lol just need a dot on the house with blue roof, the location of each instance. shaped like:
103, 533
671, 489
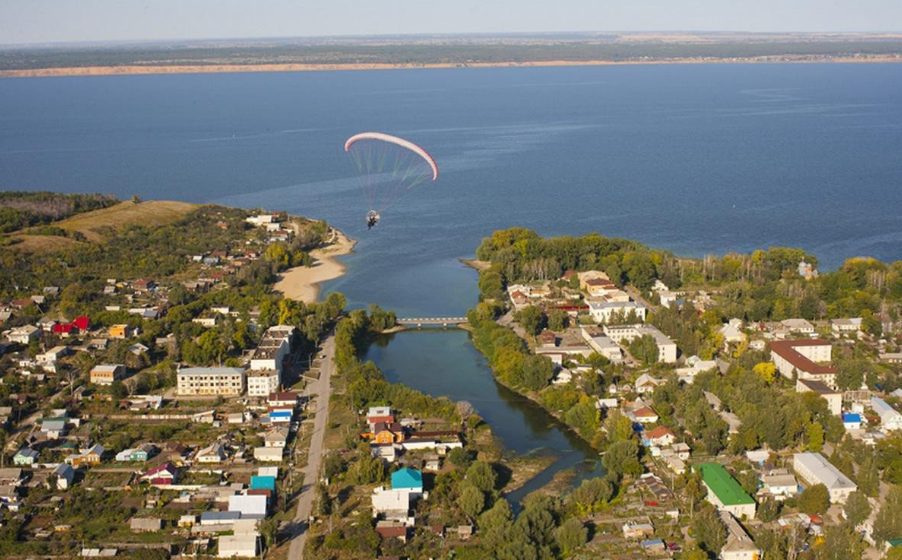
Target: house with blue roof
407, 479
263, 483
851, 421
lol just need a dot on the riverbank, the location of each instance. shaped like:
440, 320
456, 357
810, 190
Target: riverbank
133, 70
302, 283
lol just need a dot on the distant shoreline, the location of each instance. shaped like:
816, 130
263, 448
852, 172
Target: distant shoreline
244, 68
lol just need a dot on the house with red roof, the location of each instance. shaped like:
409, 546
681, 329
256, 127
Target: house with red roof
644, 415
163, 475
661, 436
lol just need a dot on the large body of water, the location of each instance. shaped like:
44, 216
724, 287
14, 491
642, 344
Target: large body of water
692, 158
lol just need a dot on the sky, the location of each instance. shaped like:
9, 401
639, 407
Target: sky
54, 21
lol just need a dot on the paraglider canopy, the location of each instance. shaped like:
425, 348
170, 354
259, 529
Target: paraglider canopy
388, 167
398, 141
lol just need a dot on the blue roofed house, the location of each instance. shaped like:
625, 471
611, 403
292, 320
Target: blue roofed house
263, 483
851, 421
407, 479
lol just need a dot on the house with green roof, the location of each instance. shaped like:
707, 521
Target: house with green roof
407, 479
724, 492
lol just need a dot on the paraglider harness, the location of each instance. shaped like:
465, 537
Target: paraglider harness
372, 218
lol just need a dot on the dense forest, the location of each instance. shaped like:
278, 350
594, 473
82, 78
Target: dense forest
20, 209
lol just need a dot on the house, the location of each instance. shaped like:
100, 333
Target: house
646, 384
241, 546
724, 492
11, 477
220, 381
407, 479
638, 530
391, 504
64, 475
833, 398
263, 483
105, 374
815, 469
392, 529
24, 335
162, 475
89, 456
274, 346
644, 415
283, 399
122, 331
653, 546
251, 506
661, 436
213, 453
779, 484
732, 334
682, 450
851, 421
277, 437
739, 545
800, 326
673, 460
802, 358
53, 429
841, 327
52, 355
281, 416
890, 419
145, 524
695, 366
384, 433
138, 454
270, 454
26, 457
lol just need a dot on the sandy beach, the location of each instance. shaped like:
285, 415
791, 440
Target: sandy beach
127, 70
303, 282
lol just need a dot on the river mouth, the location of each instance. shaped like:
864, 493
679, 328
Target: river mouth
444, 363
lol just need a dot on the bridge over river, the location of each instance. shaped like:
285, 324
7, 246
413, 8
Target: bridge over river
420, 322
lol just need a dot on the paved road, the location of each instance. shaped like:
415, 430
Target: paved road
322, 389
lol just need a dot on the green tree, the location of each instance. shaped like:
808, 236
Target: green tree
583, 417
557, 320
495, 526
709, 530
459, 457
888, 523
592, 494
623, 458
536, 372
857, 508
268, 528
472, 500
118, 390
815, 499
571, 535
531, 319
814, 433
618, 426
841, 542
482, 476
768, 510
644, 349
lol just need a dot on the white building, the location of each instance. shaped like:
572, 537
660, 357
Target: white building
739, 545
269, 454
222, 381
251, 506
274, 346
606, 311
803, 358
602, 344
815, 469
833, 398
842, 327
238, 546
260, 383
800, 326
890, 419
23, 335
780, 485
624, 334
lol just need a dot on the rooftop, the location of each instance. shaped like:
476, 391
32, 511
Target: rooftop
723, 485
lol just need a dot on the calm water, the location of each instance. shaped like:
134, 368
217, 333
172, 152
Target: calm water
693, 158
444, 363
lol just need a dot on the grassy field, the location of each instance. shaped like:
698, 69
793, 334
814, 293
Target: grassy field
151, 213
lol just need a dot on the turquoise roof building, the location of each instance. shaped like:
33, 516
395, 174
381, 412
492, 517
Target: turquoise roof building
407, 479
263, 483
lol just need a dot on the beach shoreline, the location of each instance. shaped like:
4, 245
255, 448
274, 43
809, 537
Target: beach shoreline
132, 70
303, 283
